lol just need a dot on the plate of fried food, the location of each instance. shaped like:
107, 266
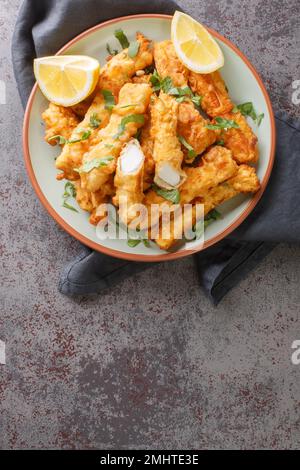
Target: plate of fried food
149, 115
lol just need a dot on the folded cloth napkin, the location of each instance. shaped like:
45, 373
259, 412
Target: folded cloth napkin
41, 29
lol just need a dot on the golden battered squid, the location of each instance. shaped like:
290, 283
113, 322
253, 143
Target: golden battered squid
168, 65
211, 87
59, 121
127, 117
129, 181
242, 141
167, 152
116, 73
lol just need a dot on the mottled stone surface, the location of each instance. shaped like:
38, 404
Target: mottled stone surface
152, 364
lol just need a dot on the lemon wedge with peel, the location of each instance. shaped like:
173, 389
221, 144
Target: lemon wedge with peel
194, 45
66, 80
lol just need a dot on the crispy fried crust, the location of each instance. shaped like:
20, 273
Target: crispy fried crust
59, 121
137, 95
212, 88
245, 181
242, 142
192, 126
168, 65
167, 147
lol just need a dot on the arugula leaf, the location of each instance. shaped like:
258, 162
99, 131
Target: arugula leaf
247, 109
133, 49
69, 191
59, 139
222, 123
109, 99
95, 121
111, 51
172, 195
122, 38
138, 118
191, 151
95, 163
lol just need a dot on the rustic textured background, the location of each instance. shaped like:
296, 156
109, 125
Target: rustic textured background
151, 364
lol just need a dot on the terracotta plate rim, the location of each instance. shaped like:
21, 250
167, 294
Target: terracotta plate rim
132, 256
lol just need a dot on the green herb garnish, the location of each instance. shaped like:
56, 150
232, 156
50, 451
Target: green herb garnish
201, 225
222, 123
111, 51
138, 118
191, 151
221, 143
122, 38
70, 191
133, 49
61, 140
109, 99
133, 243
95, 163
172, 195
158, 83
247, 109
95, 121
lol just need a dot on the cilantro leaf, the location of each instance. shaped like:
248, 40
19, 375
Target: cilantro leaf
111, 51
191, 151
138, 118
133, 49
95, 163
172, 195
222, 123
122, 38
95, 121
109, 99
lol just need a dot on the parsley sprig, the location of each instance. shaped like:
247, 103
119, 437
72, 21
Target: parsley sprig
222, 123
167, 86
201, 225
172, 195
109, 99
95, 121
95, 163
69, 191
62, 140
191, 151
138, 118
247, 109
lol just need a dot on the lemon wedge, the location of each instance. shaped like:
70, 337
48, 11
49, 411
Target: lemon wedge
66, 80
194, 45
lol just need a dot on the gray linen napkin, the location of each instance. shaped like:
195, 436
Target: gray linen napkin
41, 29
